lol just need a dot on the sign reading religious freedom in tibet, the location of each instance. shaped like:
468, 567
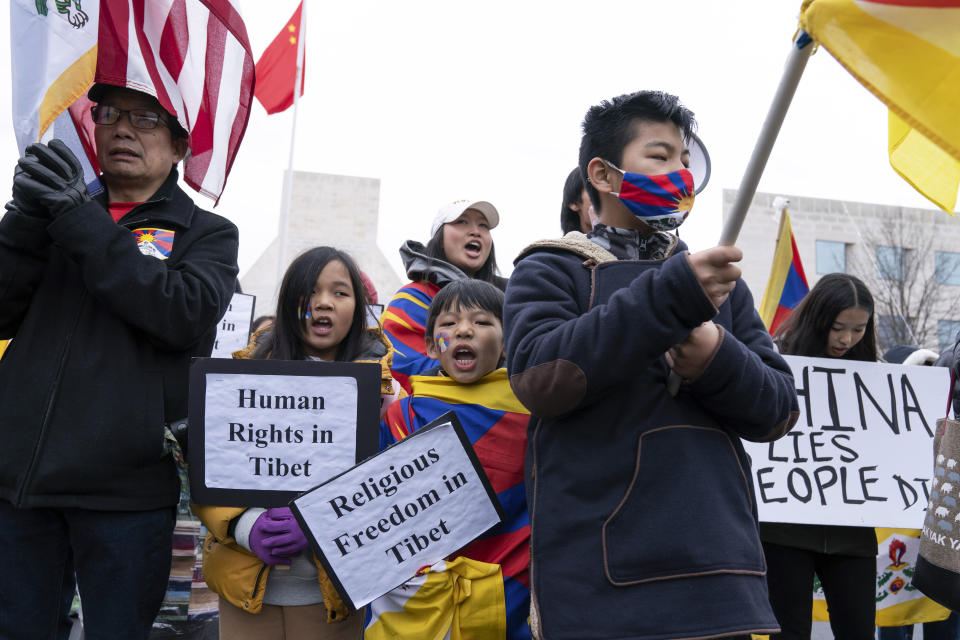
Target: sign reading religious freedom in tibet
861, 451
409, 506
263, 431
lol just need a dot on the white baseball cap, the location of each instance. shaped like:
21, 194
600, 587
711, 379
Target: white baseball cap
452, 211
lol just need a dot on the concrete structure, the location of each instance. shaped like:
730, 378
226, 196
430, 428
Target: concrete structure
339, 211
867, 240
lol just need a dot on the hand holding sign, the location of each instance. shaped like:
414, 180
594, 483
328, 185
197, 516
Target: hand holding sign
276, 537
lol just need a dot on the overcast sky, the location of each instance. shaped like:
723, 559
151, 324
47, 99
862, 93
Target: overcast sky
444, 100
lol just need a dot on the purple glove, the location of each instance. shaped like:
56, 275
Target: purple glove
276, 537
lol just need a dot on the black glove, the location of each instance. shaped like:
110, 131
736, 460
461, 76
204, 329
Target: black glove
52, 177
24, 202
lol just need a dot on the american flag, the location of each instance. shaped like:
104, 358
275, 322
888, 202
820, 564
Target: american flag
194, 56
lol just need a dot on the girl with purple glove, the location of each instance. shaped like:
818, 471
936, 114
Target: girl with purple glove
320, 316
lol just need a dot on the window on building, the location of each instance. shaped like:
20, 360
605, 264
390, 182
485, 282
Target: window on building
892, 331
831, 257
947, 333
890, 263
948, 267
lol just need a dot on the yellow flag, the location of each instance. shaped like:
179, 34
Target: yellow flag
909, 57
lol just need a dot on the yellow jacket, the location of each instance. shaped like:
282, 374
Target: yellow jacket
237, 574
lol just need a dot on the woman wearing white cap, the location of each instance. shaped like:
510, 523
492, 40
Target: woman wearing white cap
460, 247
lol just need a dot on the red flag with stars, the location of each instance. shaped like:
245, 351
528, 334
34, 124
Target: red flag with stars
276, 70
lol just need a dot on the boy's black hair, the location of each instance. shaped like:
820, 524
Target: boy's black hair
284, 340
806, 330
488, 272
611, 125
470, 294
570, 219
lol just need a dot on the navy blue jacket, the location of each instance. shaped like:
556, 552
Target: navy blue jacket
641, 503
102, 341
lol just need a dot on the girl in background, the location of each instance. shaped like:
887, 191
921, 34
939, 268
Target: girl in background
460, 248
321, 312
576, 212
834, 320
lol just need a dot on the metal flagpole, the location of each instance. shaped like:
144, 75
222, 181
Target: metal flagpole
288, 177
796, 63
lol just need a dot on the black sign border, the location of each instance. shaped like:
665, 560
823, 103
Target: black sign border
367, 375
450, 417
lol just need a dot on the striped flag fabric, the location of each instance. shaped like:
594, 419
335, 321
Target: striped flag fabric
195, 57
907, 53
495, 422
788, 283
404, 322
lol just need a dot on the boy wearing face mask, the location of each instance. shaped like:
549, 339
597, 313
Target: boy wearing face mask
643, 365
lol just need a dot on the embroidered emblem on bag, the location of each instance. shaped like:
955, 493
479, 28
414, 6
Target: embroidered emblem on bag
154, 242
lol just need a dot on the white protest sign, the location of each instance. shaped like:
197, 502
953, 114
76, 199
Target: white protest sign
407, 507
262, 431
860, 453
374, 311
233, 330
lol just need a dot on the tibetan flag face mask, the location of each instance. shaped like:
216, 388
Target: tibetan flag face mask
661, 201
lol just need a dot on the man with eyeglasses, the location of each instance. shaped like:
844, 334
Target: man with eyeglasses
106, 300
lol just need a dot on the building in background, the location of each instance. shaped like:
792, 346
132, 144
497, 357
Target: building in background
909, 258
325, 209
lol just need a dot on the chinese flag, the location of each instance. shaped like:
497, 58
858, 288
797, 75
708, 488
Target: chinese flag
276, 70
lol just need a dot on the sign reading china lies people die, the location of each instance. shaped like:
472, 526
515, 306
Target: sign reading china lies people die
262, 431
861, 452
413, 504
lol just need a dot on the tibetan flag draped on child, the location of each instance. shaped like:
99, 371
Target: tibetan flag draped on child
496, 424
277, 68
787, 284
907, 53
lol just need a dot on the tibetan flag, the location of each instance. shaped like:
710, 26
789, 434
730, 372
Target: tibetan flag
277, 68
787, 284
404, 322
907, 53
456, 600
496, 424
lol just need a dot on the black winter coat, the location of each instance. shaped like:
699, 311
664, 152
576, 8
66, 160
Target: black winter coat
102, 340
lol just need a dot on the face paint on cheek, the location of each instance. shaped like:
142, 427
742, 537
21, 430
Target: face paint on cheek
303, 310
443, 341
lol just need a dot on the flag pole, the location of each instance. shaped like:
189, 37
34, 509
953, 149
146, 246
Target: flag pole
288, 177
802, 47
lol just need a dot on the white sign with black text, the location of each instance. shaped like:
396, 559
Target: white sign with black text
233, 330
861, 451
407, 507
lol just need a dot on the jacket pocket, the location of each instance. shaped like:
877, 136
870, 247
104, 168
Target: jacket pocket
688, 511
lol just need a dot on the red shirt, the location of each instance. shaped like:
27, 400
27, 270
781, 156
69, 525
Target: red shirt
120, 209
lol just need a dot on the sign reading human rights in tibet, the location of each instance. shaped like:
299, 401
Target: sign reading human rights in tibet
408, 507
263, 431
860, 453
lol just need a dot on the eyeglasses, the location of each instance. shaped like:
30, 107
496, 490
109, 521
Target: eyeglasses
139, 118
